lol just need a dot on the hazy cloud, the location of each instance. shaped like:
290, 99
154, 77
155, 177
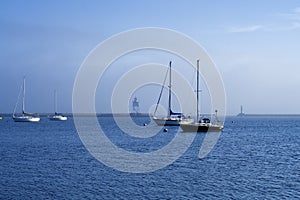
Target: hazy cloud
292, 23
297, 10
292, 15
245, 29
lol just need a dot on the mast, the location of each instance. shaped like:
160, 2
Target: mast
197, 90
23, 98
55, 102
170, 92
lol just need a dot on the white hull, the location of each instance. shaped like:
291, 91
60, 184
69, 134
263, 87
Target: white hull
173, 121
201, 127
58, 118
26, 119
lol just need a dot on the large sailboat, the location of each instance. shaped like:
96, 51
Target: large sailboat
203, 125
57, 116
24, 116
172, 119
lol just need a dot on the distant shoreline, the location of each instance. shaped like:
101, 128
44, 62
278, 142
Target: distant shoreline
268, 115
87, 114
148, 115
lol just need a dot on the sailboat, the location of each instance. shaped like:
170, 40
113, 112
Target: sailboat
57, 116
172, 119
24, 117
203, 125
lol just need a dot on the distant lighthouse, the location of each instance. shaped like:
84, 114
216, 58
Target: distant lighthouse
135, 105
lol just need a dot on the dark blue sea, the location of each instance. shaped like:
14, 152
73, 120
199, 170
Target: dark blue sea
254, 158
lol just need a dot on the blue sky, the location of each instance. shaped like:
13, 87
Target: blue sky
255, 45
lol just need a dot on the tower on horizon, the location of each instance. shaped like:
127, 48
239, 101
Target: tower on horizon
241, 113
135, 105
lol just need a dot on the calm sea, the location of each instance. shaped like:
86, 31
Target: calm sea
255, 158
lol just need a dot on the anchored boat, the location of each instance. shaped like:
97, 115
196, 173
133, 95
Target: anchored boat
24, 116
57, 116
203, 125
172, 119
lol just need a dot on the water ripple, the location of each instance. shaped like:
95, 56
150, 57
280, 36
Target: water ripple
253, 159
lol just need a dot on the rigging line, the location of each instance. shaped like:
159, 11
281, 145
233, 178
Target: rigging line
21, 88
161, 91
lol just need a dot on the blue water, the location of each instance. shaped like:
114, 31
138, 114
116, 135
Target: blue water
255, 158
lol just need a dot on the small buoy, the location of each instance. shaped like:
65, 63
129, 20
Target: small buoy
145, 124
165, 130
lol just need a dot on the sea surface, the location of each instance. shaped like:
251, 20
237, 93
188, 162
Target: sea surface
254, 158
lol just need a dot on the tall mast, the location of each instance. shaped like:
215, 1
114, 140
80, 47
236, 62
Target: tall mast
23, 98
55, 101
170, 92
197, 91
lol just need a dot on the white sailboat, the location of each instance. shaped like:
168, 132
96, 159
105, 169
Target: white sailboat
172, 119
24, 116
203, 125
57, 116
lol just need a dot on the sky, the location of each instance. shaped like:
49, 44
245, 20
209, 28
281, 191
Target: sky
254, 44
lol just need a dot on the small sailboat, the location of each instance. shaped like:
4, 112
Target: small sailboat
57, 116
203, 125
172, 119
24, 116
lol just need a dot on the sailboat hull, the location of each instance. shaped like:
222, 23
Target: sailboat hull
26, 119
201, 127
172, 121
58, 118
